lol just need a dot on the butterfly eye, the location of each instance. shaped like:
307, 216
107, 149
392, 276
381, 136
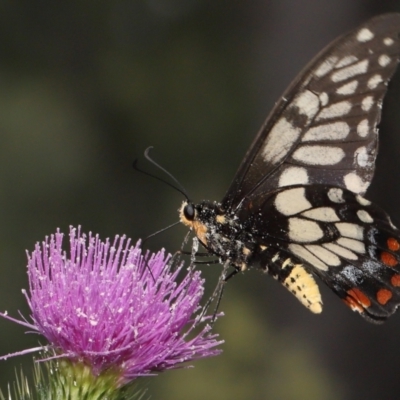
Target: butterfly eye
189, 212
219, 210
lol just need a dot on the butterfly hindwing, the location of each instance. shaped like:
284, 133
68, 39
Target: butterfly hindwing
337, 235
324, 128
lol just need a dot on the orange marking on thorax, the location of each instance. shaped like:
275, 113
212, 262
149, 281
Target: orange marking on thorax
200, 229
221, 219
383, 296
393, 244
395, 280
359, 296
388, 259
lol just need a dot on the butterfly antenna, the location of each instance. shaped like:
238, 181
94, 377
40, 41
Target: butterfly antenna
161, 230
178, 185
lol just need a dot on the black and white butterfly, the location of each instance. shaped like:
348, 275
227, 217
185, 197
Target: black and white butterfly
295, 207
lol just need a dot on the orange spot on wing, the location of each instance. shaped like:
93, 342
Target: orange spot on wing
383, 296
388, 259
393, 244
360, 297
349, 301
395, 280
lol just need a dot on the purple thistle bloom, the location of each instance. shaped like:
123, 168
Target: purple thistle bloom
112, 308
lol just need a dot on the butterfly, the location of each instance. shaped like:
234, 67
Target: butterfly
295, 208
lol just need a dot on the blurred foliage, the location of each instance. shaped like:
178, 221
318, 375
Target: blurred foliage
258, 362
86, 86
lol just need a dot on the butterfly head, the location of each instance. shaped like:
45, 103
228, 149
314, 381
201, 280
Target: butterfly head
205, 219
187, 213
189, 216
204, 213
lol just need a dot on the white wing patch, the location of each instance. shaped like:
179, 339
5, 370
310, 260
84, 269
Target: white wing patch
324, 98
304, 254
326, 66
384, 60
367, 103
324, 255
352, 244
304, 231
362, 157
365, 35
363, 128
347, 88
319, 155
325, 214
334, 131
346, 60
374, 81
350, 71
350, 230
292, 201
336, 195
354, 183
280, 141
307, 103
362, 201
293, 176
341, 251
388, 41
335, 110
364, 216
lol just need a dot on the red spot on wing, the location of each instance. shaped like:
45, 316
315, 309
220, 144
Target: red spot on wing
383, 296
393, 244
349, 301
360, 297
388, 259
395, 280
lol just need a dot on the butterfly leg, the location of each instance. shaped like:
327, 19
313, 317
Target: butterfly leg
218, 291
194, 253
214, 261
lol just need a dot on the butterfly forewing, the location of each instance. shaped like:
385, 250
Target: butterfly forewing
324, 128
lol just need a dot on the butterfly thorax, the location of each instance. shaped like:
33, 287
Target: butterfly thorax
222, 234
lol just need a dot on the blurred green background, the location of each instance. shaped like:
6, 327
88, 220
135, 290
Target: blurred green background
86, 86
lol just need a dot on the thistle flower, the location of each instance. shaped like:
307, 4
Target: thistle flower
110, 310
